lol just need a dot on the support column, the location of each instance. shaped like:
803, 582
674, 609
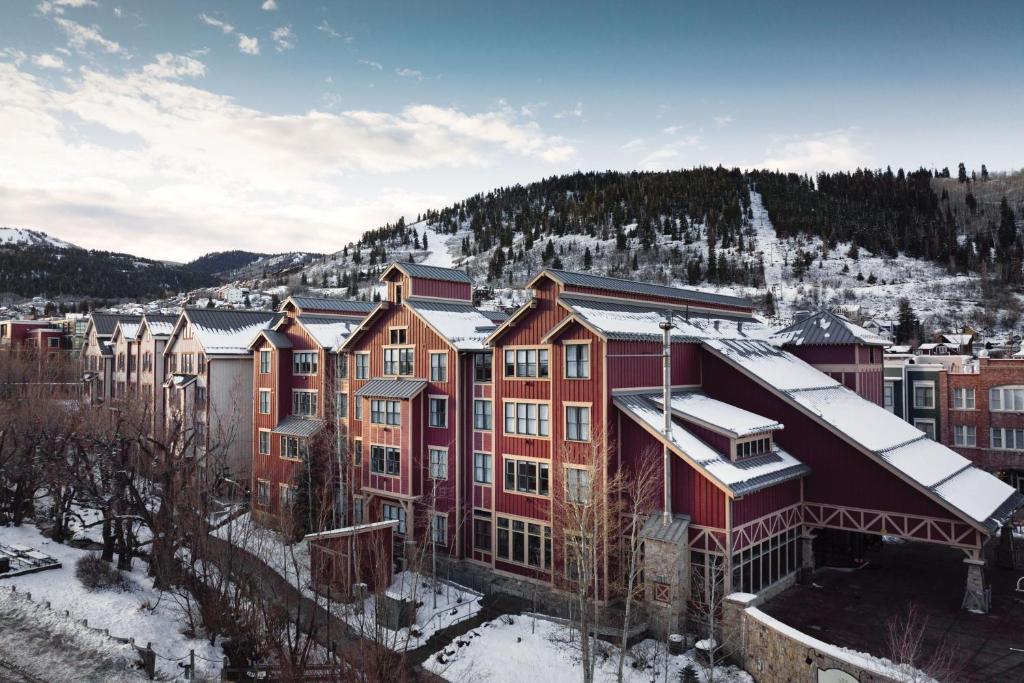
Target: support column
666, 567
976, 592
806, 555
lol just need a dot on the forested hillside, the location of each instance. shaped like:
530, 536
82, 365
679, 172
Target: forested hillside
222, 261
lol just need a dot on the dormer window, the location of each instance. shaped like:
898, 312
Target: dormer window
751, 447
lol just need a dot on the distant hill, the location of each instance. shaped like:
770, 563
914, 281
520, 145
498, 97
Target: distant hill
223, 261
22, 236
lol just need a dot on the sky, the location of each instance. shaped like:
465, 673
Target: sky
172, 129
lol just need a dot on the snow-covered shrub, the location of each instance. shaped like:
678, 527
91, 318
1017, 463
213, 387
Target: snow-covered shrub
97, 574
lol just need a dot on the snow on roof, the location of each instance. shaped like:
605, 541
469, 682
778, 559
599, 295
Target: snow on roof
461, 324
228, 332
718, 415
106, 322
980, 497
958, 339
620, 286
899, 349
328, 331
161, 325
825, 328
740, 477
429, 272
129, 329
928, 346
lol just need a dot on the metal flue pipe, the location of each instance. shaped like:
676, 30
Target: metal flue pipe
666, 364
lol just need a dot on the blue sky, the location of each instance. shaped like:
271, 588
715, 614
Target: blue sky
170, 129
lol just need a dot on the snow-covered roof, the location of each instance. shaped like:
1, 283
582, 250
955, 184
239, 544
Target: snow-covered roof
620, 286
129, 330
228, 332
428, 272
739, 477
106, 322
958, 339
464, 326
160, 325
825, 328
941, 472
902, 348
328, 331
718, 415
317, 304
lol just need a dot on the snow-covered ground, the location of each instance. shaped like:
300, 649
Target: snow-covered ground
143, 613
439, 253
516, 648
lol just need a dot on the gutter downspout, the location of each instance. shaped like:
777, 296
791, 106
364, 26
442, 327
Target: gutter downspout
666, 357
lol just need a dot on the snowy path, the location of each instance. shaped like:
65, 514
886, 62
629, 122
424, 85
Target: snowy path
767, 241
440, 254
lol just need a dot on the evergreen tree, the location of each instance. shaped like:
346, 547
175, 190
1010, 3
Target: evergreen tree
907, 324
961, 173
588, 260
275, 302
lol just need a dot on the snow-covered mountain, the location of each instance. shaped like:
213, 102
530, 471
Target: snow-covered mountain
24, 236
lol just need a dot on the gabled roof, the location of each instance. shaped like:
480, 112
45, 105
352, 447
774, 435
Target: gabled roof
392, 388
330, 332
227, 332
180, 381
943, 475
126, 330
621, 287
298, 426
426, 272
463, 326
718, 415
825, 328
279, 340
316, 304
159, 325
106, 322
958, 339
735, 478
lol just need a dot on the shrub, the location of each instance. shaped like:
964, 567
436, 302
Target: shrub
97, 574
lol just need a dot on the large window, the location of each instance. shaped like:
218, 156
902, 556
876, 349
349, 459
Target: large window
438, 463
577, 484
963, 399
758, 566
483, 417
924, 394
1007, 439
292, 448
526, 543
577, 423
304, 362
526, 476
482, 530
385, 412
362, 366
439, 529
264, 401
385, 460
439, 367
438, 412
482, 468
527, 419
389, 511
1006, 399
398, 361
264, 362
482, 363
577, 361
965, 435
526, 363
304, 403
888, 397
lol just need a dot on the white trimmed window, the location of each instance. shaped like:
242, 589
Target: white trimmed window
482, 363
577, 484
341, 404
439, 529
527, 419
341, 366
526, 363
439, 367
385, 412
357, 510
362, 366
438, 412
482, 468
438, 463
264, 442
483, 417
264, 362
926, 426
262, 492
1006, 399
304, 362
577, 361
304, 403
526, 476
924, 394
1006, 439
288, 493
292, 448
889, 397
357, 412
963, 398
577, 423
398, 361
389, 511
524, 542
385, 460
264, 401
965, 435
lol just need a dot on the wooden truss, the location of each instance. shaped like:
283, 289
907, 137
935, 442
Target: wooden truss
765, 527
949, 532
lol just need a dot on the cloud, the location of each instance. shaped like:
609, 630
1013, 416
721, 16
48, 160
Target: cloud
133, 158
214, 21
57, 6
410, 73
670, 155
248, 45
118, 12
722, 121
327, 29
48, 61
634, 145
373, 65
269, 5
575, 112
80, 36
14, 54
832, 150
672, 130
283, 37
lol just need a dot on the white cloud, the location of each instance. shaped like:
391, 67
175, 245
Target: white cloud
326, 28
80, 36
248, 45
75, 3
410, 73
269, 5
672, 130
218, 23
160, 156
48, 61
118, 12
373, 65
57, 6
14, 54
575, 112
634, 145
833, 150
283, 37
670, 155
723, 121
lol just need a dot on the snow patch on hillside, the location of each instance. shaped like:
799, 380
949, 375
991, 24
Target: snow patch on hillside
31, 238
439, 250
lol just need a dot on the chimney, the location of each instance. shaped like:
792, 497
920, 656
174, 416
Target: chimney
666, 357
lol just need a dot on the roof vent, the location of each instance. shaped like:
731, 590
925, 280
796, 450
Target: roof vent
800, 316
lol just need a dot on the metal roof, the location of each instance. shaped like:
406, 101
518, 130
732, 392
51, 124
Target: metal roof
621, 320
159, 325
392, 388
825, 328
229, 320
320, 304
303, 428
106, 322
279, 340
619, 287
675, 531
497, 317
431, 272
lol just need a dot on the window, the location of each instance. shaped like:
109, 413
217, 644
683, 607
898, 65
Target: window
438, 463
385, 412
362, 366
924, 395
341, 404
262, 492
287, 496
526, 363
341, 366
1007, 439
482, 363
527, 419
965, 435
482, 530
200, 397
397, 335
963, 399
264, 401
53, 342
304, 362
1006, 399
202, 363
357, 413
524, 542
577, 485
304, 403
577, 361
385, 460
577, 423
292, 448
888, 397
746, 449
482, 471
398, 361
357, 452
439, 529
389, 511
398, 294
439, 367
357, 510
754, 568
926, 426
438, 412
264, 442
526, 476
483, 417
